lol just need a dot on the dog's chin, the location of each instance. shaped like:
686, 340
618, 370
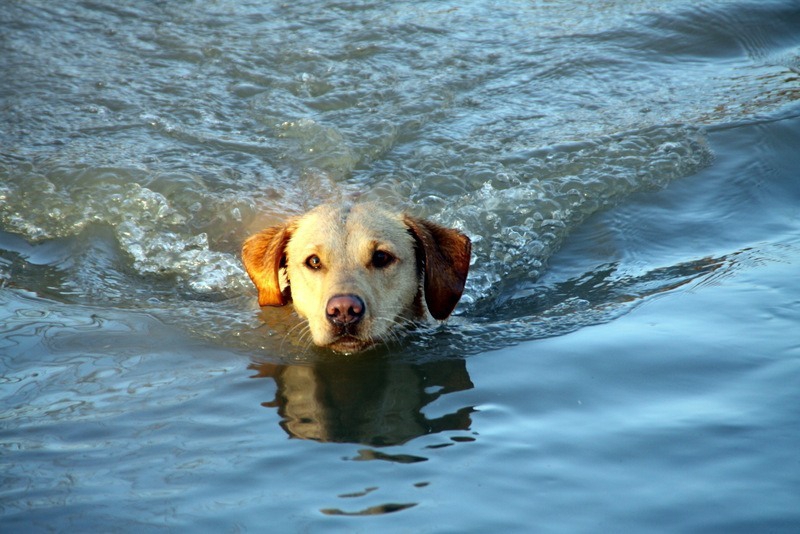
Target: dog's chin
347, 344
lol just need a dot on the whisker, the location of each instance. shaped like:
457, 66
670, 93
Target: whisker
397, 325
306, 339
288, 334
301, 325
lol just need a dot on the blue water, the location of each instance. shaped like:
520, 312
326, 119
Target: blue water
626, 356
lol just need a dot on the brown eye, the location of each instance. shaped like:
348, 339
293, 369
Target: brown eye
313, 262
381, 259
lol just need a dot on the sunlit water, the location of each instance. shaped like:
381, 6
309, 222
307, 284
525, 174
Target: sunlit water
626, 356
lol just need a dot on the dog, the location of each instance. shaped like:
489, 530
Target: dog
359, 271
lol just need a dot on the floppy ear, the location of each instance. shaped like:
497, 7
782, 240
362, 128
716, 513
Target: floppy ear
444, 255
264, 255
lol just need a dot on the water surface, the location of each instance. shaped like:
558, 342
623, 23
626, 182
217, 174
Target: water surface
626, 356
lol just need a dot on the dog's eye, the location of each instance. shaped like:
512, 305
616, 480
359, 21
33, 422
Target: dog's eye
313, 262
381, 259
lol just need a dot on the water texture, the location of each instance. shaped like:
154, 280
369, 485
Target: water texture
626, 355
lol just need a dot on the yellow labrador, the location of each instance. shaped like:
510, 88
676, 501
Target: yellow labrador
355, 272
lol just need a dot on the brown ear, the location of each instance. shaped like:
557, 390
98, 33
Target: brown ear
444, 254
263, 255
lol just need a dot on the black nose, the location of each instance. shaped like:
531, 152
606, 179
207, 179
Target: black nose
345, 310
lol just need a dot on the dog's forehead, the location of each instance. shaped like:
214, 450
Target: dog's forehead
370, 221
343, 226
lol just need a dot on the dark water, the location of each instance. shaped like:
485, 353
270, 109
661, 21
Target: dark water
627, 353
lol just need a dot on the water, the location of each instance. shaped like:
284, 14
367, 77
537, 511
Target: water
626, 356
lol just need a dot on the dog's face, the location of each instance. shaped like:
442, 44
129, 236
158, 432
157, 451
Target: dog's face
352, 275
355, 273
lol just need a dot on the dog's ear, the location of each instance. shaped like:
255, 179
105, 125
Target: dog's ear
444, 256
264, 255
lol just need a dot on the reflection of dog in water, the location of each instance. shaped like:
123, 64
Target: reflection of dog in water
365, 400
357, 272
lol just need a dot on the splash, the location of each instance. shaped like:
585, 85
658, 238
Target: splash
152, 233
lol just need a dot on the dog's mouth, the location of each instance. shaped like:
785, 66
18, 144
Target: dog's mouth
348, 339
346, 336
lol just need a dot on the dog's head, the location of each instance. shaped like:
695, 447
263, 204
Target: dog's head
356, 272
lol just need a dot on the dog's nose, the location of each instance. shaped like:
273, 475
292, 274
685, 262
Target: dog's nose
345, 309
